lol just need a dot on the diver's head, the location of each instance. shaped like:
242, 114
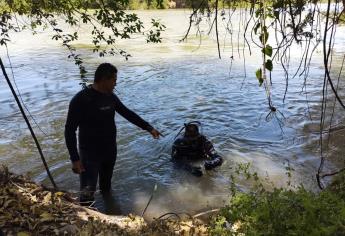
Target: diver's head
191, 131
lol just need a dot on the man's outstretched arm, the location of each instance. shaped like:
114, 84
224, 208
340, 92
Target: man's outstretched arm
134, 118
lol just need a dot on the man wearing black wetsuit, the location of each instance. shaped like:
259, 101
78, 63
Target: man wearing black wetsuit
193, 147
92, 110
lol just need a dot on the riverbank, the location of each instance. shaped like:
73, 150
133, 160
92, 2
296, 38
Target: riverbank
27, 208
291, 210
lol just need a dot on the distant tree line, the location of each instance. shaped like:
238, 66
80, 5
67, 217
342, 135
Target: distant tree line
121, 5
153, 4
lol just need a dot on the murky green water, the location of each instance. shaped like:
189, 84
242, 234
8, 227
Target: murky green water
167, 84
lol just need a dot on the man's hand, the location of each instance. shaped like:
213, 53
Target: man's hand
155, 133
77, 167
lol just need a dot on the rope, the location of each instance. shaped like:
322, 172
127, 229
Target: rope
148, 203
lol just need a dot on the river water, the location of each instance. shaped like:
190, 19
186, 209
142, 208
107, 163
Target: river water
168, 84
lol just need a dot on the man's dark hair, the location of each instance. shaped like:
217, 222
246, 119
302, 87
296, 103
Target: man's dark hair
104, 71
191, 130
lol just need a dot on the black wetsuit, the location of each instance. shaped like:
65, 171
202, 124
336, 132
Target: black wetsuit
185, 151
94, 112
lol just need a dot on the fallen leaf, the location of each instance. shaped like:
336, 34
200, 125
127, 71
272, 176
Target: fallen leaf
59, 194
46, 216
34, 198
7, 203
23, 233
47, 198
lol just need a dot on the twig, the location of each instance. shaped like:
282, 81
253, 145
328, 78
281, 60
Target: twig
216, 19
206, 212
28, 123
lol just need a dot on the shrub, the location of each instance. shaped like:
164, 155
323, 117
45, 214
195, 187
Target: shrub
283, 211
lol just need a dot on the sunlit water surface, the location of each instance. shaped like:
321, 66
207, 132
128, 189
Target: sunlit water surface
167, 84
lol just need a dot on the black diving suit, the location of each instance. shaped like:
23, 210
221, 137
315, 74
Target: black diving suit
186, 150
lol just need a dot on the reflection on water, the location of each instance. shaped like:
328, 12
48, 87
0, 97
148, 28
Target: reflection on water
168, 84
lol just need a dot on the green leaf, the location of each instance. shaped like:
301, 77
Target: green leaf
257, 26
267, 50
258, 74
258, 12
264, 36
269, 65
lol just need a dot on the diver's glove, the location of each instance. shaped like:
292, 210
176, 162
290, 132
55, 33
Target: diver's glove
196, 171
210, 164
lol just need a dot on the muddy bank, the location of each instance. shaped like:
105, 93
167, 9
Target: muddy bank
27, 208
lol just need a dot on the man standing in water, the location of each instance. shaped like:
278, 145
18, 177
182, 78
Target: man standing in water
93, 111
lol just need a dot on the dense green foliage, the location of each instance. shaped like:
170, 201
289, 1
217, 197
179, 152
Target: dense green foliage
149, 4
90, 4
283, 212
122, 4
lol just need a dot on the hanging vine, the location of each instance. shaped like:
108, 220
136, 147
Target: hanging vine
273, 27
270, 28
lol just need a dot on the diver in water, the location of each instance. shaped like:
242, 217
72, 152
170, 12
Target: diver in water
192, 147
